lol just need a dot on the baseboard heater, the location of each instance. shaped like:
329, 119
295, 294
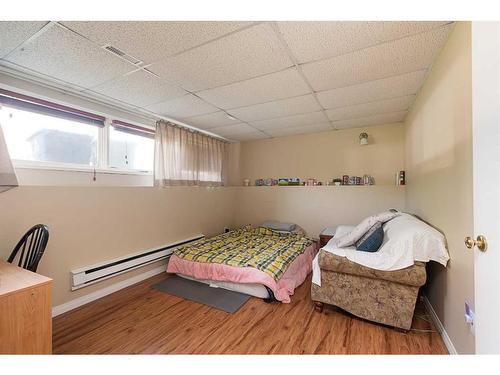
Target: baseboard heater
89, 275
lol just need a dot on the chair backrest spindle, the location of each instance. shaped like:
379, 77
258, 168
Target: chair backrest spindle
32, 246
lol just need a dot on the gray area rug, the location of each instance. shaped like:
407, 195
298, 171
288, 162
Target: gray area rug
218, 298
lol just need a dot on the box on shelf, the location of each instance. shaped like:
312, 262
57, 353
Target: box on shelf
283, 181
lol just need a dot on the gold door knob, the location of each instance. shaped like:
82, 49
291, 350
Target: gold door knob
480, 242
469, 242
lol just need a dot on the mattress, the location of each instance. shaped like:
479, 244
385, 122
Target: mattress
252, 289
266, 250
247, 278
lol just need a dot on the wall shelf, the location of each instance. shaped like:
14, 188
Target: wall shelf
324, 186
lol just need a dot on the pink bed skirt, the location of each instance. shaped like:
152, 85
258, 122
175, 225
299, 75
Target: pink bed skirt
282, 289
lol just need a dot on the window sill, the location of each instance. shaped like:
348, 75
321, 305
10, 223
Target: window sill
22, 164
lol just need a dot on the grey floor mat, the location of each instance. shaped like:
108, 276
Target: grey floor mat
218, 298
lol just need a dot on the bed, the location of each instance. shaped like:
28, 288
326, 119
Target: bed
257, 261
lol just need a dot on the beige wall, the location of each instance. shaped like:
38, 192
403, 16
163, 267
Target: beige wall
327, 155
322, 156
93, 224
315, 207
234, 152
439, 171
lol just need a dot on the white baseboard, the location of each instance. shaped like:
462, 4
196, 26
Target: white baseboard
83, 300
440, 327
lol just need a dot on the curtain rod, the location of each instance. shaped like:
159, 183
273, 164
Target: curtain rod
192, 130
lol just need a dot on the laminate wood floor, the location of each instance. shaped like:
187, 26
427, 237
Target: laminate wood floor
140, 319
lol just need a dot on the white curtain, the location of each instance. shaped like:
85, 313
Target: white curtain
8, 178
188, 158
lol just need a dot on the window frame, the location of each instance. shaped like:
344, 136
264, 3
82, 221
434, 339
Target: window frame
102, 165
106, 149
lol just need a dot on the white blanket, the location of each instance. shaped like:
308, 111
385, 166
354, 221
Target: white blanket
406, 240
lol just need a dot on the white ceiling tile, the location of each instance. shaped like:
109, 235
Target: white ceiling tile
232, 130
397, 57
405, 84
284, 84
245, 54
62, 54
249, 136
212, 120
279, 108
14, 33
291, 121
319, 40
388, 118
299, 130
369, 109
153, 41
140, 89
184, 106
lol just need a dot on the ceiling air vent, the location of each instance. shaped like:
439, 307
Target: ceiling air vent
122, 55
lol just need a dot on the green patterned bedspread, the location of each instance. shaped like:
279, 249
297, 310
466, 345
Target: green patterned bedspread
261, 248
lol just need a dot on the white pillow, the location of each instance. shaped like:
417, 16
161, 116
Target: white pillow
350, 238
408, 233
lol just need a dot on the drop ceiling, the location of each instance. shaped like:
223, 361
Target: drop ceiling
240, 80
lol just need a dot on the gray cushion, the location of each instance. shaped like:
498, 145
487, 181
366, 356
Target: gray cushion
279, 226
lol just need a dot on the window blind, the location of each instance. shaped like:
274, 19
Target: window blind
45, 107
133, 129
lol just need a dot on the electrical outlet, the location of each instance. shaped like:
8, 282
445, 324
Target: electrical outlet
469, 317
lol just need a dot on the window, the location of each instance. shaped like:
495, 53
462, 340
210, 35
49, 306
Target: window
131, 147
37, 137
44, 134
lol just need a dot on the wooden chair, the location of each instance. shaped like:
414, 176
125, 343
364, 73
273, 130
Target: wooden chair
32, 246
